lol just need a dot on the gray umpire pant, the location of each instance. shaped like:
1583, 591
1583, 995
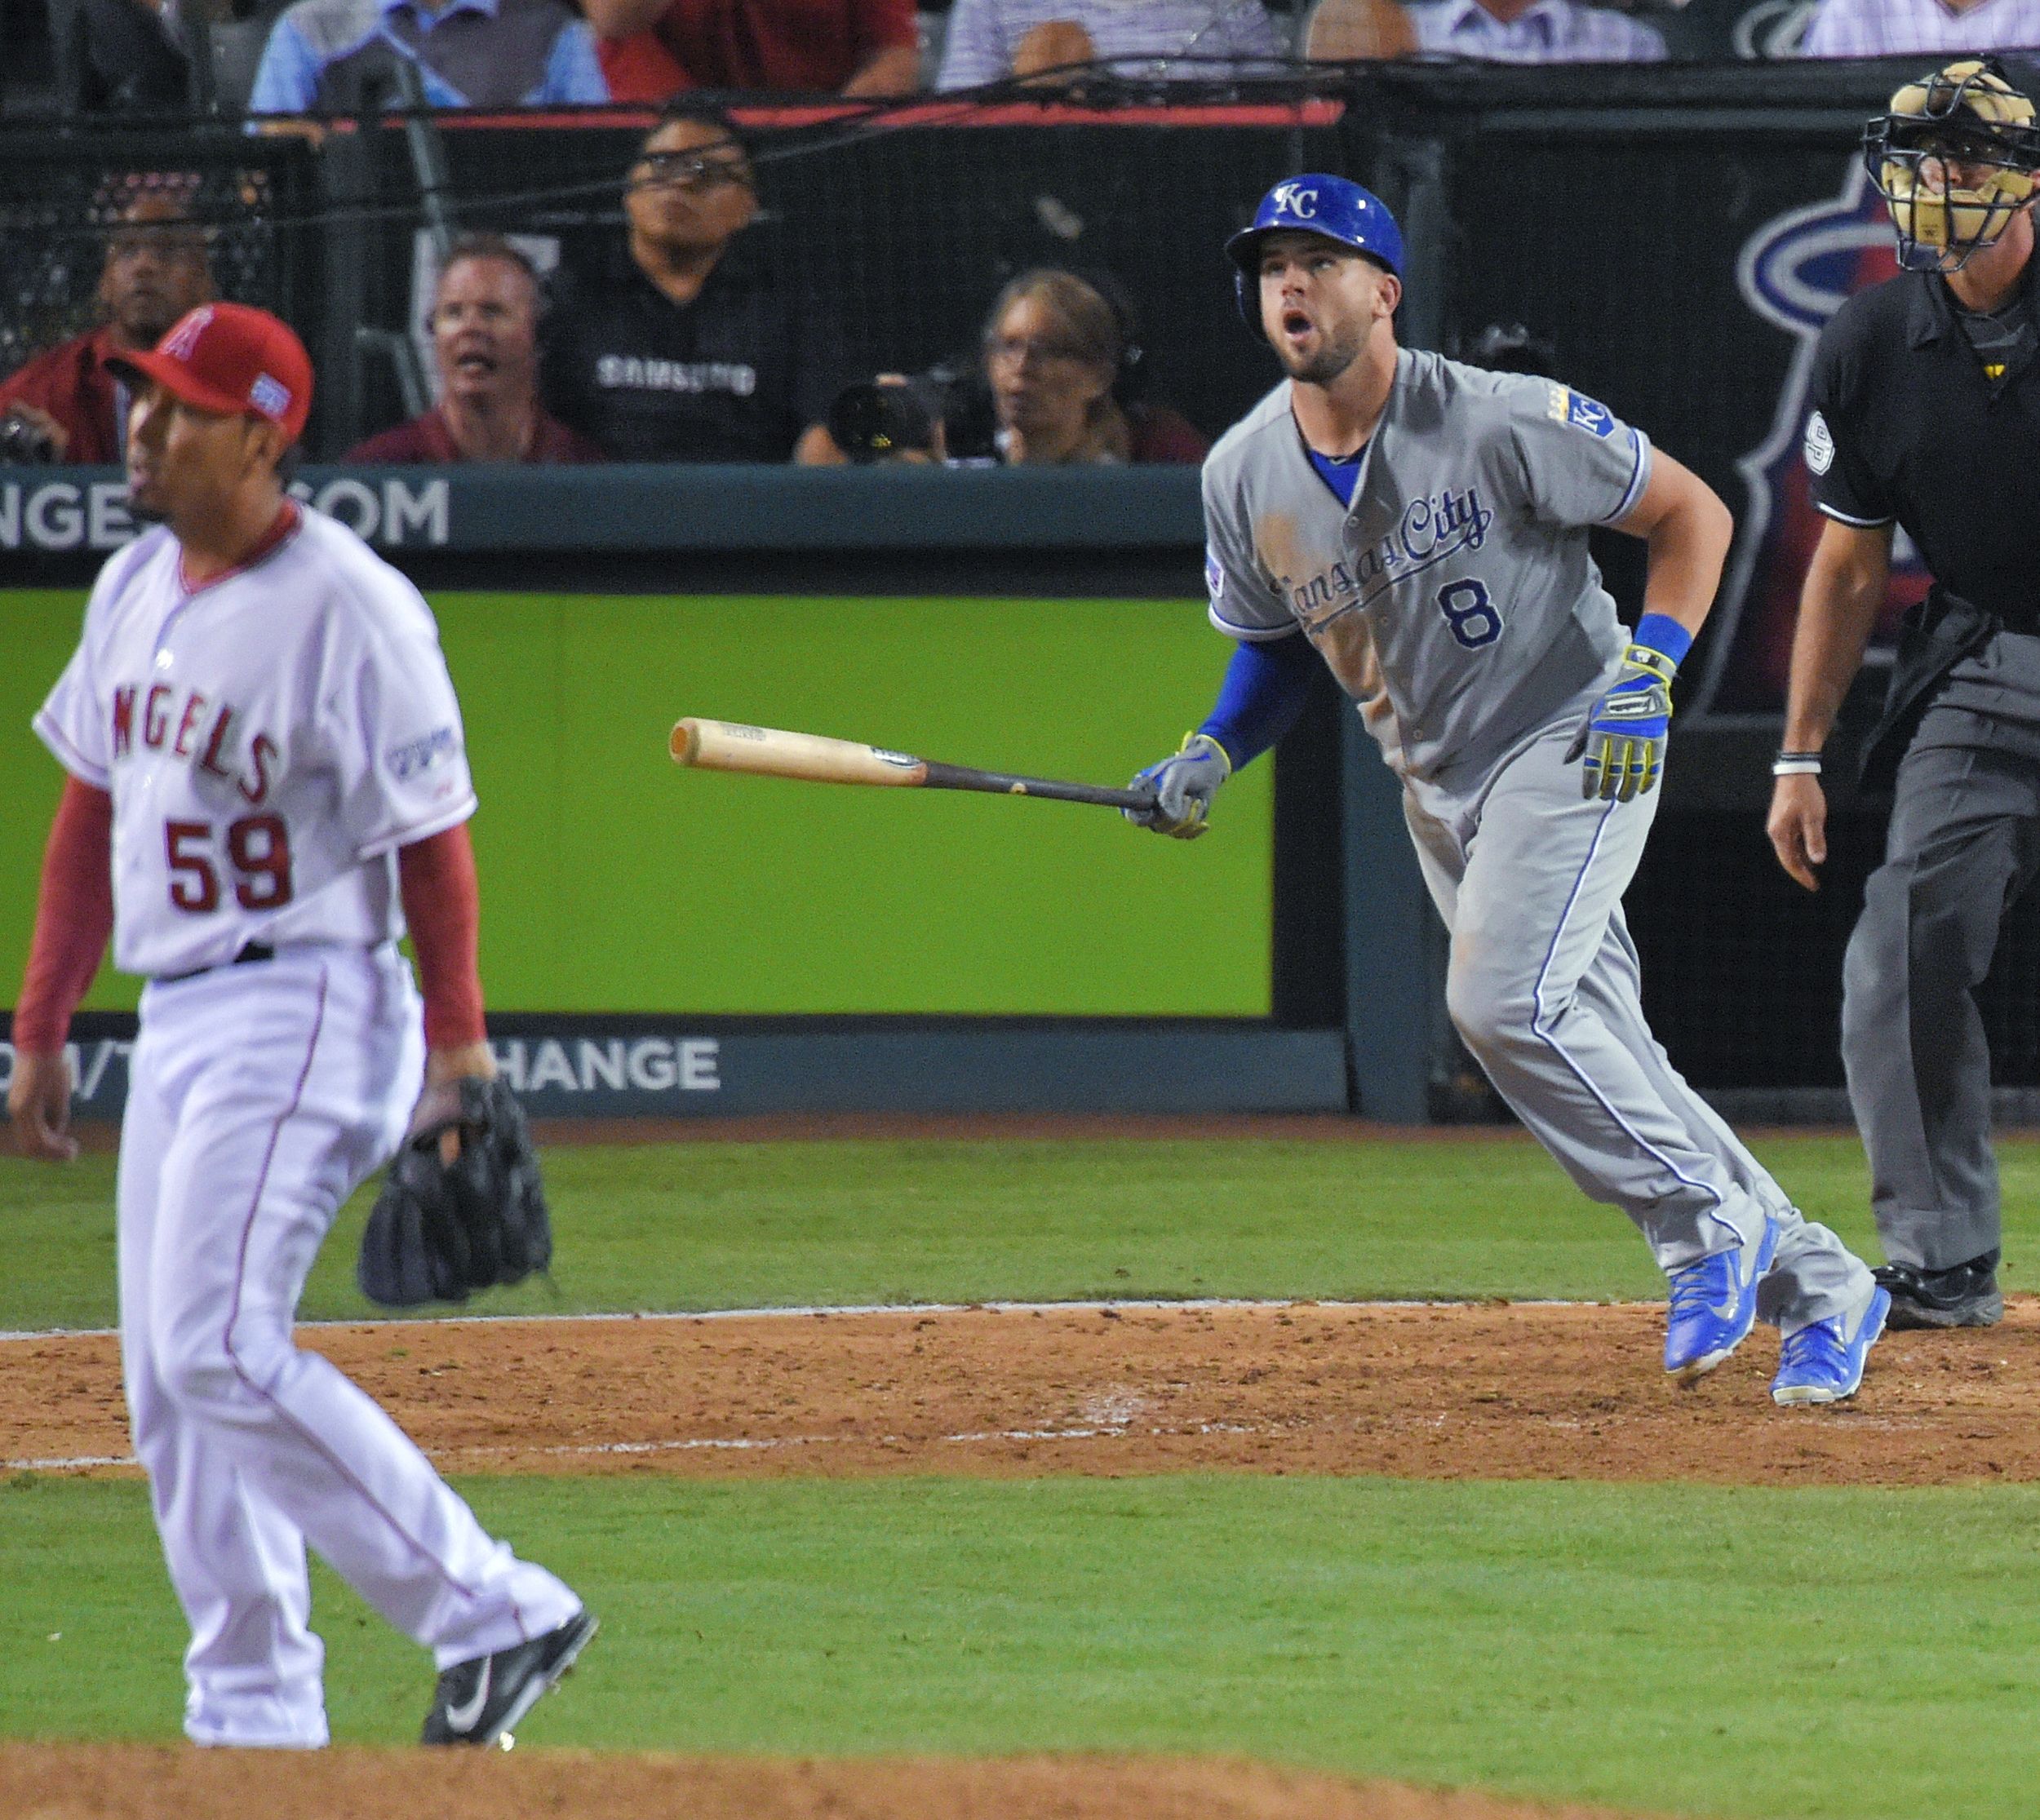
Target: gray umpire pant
1964, 841
1544, 987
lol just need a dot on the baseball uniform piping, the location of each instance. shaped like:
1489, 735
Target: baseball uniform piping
74, 761
233, 1315
1249, 634
1640, 477
1843, 518
1546, 1036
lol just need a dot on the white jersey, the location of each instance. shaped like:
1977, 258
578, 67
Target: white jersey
269, 739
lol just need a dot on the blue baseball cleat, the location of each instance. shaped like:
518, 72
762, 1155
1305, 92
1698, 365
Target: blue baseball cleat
1713, 1306
1823, 1362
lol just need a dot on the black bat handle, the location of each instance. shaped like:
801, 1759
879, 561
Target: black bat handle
1003, 783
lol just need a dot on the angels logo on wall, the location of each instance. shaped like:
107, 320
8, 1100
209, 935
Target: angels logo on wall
1795, 271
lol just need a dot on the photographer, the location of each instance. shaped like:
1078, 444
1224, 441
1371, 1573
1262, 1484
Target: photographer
65, 404
1057, 381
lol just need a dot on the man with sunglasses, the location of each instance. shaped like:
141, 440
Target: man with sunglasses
689, 344
1925, 415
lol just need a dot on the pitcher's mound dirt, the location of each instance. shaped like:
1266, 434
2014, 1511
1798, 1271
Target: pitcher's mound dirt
1459, 1392
148, 1782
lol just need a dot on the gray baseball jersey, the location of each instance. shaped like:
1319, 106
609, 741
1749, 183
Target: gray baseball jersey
1455, 601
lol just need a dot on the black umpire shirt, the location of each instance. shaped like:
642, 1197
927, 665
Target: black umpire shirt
734, 376
1908, 427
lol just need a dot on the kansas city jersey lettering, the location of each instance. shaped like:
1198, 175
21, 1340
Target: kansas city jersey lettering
195, 729
1431, 529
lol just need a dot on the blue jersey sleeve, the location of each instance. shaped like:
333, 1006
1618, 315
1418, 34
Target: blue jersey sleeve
1261, 696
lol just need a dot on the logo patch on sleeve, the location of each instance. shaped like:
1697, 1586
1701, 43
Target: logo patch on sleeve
1214, 574
1584, 414
417, 756
1819, 445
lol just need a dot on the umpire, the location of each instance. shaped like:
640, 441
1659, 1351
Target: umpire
1927, 415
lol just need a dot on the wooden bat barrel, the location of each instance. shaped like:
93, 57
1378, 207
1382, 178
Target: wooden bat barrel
773, 752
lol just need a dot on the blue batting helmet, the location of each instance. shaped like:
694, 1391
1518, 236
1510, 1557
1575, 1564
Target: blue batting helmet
1336, 207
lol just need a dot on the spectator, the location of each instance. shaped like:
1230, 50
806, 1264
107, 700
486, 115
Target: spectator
1353, 31
1063, 365
1900, 27
1531, 31
340, 56
653, 49
155, 269
688, 345
114, 56
990, 40
485, 330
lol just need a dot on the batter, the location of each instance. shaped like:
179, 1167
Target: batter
1421, 527
265, 769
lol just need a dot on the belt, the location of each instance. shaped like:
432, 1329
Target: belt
250, 953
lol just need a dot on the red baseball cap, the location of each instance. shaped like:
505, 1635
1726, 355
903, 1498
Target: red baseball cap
234, 361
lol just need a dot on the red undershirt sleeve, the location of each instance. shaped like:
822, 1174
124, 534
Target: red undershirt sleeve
442, 903
73, 918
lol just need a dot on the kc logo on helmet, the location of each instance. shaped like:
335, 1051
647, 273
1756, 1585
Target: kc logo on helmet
1291, 199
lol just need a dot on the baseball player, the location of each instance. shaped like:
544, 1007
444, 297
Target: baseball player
1422, 527
265, 762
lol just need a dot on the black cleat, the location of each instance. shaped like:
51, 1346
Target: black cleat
1964, 1295
478, 1701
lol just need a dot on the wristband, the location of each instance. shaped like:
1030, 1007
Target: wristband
1662, 633
1796, 764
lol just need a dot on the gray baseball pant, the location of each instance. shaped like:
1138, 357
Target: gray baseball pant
1964, 841
1544, 987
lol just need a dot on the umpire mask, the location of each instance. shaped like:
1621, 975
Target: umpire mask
1954, 161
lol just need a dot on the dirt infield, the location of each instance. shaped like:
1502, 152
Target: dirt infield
145, 1783
1492, 1391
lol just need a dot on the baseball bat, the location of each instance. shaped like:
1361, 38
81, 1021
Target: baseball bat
772, 752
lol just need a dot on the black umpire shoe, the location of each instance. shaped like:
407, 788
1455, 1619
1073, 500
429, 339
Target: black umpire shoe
1964, 1295
478, 1701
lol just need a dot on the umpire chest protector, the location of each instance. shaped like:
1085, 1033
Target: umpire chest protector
1908, 428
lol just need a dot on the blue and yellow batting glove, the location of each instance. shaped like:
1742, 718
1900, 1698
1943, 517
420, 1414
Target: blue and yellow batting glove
1184, 785
1624, 736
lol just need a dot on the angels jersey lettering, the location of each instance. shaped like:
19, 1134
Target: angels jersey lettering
269, 740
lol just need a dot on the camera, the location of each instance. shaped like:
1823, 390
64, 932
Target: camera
24, 444
892, 420
943, 415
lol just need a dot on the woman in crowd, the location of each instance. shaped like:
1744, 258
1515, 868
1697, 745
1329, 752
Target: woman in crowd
1064, 368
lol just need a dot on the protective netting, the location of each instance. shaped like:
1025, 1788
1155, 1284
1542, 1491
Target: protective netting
60, 201
904, 233
1672, 239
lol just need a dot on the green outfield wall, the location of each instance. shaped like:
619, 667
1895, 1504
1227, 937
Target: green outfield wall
614, 881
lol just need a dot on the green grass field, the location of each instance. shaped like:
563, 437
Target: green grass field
755, 1225
1751, 1652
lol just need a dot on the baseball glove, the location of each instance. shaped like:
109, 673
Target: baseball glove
443, 1225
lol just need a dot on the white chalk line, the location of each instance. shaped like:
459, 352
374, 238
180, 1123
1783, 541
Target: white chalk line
741, 1444
1163, 1305
1105, 1430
